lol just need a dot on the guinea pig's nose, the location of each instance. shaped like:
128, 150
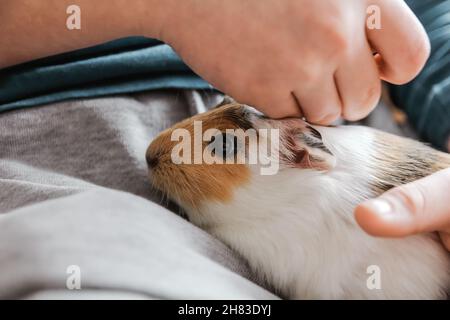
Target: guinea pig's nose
152, 161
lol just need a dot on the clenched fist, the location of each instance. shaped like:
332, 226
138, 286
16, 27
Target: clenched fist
312, 58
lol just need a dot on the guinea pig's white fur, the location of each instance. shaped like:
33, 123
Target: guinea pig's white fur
298, 233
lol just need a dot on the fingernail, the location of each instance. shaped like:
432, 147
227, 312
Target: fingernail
380, 206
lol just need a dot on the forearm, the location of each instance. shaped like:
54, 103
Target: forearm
33, 29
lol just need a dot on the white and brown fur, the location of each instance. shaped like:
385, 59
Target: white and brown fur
296, 228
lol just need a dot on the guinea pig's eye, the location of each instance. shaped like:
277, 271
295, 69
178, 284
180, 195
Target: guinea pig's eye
224, 145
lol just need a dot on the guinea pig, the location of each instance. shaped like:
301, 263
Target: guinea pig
295, 226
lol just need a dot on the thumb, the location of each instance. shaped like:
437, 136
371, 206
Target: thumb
417, 207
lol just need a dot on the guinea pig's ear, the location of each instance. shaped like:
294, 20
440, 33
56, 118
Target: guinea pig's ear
226, 100
308, 150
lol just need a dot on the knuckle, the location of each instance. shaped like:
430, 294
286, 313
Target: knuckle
411, 63
336, 29
311, 75
313, 118
351, 113
420, 53
276, 113
334, 33
413, 197
354, 114
363, 104
326, 119
279, 107
371, 95
339, 40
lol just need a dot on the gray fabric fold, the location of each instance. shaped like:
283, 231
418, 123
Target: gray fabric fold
122, 244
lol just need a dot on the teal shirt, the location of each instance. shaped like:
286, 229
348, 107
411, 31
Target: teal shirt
426, 99
120, 66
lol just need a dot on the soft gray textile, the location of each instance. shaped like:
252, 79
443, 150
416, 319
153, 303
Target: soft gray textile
121, 243
60, 167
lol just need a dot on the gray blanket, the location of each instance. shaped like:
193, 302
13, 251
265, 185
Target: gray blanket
74, 193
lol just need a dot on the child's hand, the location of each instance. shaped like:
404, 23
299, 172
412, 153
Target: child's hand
421, 206
298, 57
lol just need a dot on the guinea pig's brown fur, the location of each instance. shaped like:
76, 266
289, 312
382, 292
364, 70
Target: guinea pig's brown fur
211, 182
400, 161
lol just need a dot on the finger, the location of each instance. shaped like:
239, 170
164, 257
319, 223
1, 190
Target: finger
320, 104
277, 106
284, 107
421, 206
358, 82
401, 41
445, 237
